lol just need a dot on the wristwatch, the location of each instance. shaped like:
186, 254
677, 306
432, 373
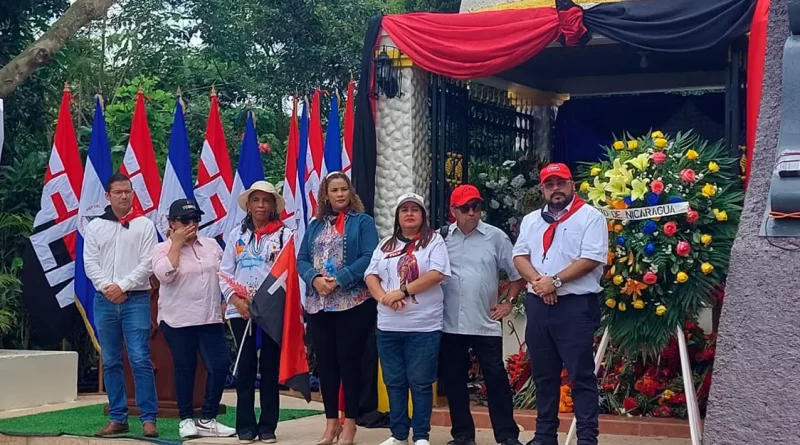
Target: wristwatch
557, 282
512, 300
404, 290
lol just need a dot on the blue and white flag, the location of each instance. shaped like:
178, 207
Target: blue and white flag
177, 183
248, 170
92, 204
332, 155
302, 156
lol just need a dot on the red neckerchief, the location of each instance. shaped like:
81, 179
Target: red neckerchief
550, 233
270, 228
339, 223
109, 215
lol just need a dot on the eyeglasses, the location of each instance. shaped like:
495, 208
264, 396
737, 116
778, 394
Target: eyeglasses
475, 206
120, 192
560, 184
188, 219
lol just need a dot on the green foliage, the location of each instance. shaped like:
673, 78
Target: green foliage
663, 270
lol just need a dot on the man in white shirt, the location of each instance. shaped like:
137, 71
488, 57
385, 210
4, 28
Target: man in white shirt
473, 315
118, 247
560, 252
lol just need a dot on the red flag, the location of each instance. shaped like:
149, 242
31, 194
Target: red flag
276, 309
214, 175
140, 165
756, 55
315, 154
292, 212
349, 127
49, 258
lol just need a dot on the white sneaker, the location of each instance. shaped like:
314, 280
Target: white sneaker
393, 441
421, 442
212, 428
187, 428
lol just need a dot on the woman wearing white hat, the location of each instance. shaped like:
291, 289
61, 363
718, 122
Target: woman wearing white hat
250, 251
405, 276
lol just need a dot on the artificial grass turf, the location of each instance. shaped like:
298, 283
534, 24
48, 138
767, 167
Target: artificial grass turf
87, 420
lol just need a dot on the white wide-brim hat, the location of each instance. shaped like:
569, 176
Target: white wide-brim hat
266, 187
410, 197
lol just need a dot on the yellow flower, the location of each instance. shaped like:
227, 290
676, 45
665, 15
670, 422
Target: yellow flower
595, 171
661, 310
639, 188
682, 277
622, 307
708, 190
633, 145
585, 186
668, 394
660, 142
611, 303
656, 134
638, 304
706, 239
597, 193
640, 162
721, 215
618, 228
619, 145
691, 155
707, 268
713, 167
618, 280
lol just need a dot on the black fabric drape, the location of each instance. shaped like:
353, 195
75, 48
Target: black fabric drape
671, 25
365, 155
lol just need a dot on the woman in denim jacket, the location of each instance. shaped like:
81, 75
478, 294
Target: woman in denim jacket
334, 254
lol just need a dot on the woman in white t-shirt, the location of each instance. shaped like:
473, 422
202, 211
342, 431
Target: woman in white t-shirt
405, 276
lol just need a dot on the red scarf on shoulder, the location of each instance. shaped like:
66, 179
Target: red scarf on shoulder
550, 233
270, 228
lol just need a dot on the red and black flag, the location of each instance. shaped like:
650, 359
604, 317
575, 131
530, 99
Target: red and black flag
276, 309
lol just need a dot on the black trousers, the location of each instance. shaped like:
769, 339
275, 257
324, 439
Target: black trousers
455, 364
563, 334
339, 340
251, 362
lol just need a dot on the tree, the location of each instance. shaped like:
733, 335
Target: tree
48, 45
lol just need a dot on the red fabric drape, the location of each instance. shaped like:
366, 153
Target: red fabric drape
756, 54
468, 46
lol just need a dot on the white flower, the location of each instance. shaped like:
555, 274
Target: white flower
518, 181
509, 163
491, 185
507, 201
494, 205
512, 221
482, 176
502, 181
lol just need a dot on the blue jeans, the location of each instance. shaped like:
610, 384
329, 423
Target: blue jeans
409, 361
129, 321
185, 343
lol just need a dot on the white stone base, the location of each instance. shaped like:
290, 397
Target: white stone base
35, 378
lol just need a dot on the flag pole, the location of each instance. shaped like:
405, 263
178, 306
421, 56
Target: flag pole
241, 346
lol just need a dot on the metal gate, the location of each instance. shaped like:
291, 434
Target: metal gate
471, 121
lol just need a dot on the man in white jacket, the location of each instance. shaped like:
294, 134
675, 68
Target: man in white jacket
117, 258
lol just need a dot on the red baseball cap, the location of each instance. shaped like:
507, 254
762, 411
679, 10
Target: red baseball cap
554, 170
463, 194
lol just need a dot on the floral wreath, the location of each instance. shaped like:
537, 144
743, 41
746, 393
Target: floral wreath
663, 270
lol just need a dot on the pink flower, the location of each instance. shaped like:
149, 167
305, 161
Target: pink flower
670, 228
657, 187
683, 248
264, 147
650, 278
687, 175
692, 216
658, 157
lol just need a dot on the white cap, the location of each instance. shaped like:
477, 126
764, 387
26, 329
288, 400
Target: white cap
410, 197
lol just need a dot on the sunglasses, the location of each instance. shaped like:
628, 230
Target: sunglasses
188, 219
475, 206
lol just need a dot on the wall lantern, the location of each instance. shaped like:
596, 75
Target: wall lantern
388, 76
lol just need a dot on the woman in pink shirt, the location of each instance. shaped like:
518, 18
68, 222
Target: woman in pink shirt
189, 316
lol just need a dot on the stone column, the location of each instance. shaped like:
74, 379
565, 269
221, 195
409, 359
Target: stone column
404, 163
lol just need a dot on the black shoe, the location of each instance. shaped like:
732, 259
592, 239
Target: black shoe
461, 441
248, 437
268, 437
536, 441
511, 441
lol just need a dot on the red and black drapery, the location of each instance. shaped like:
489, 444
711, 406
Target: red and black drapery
482, 44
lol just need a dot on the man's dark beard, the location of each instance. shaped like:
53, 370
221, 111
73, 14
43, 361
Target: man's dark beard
552, 207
